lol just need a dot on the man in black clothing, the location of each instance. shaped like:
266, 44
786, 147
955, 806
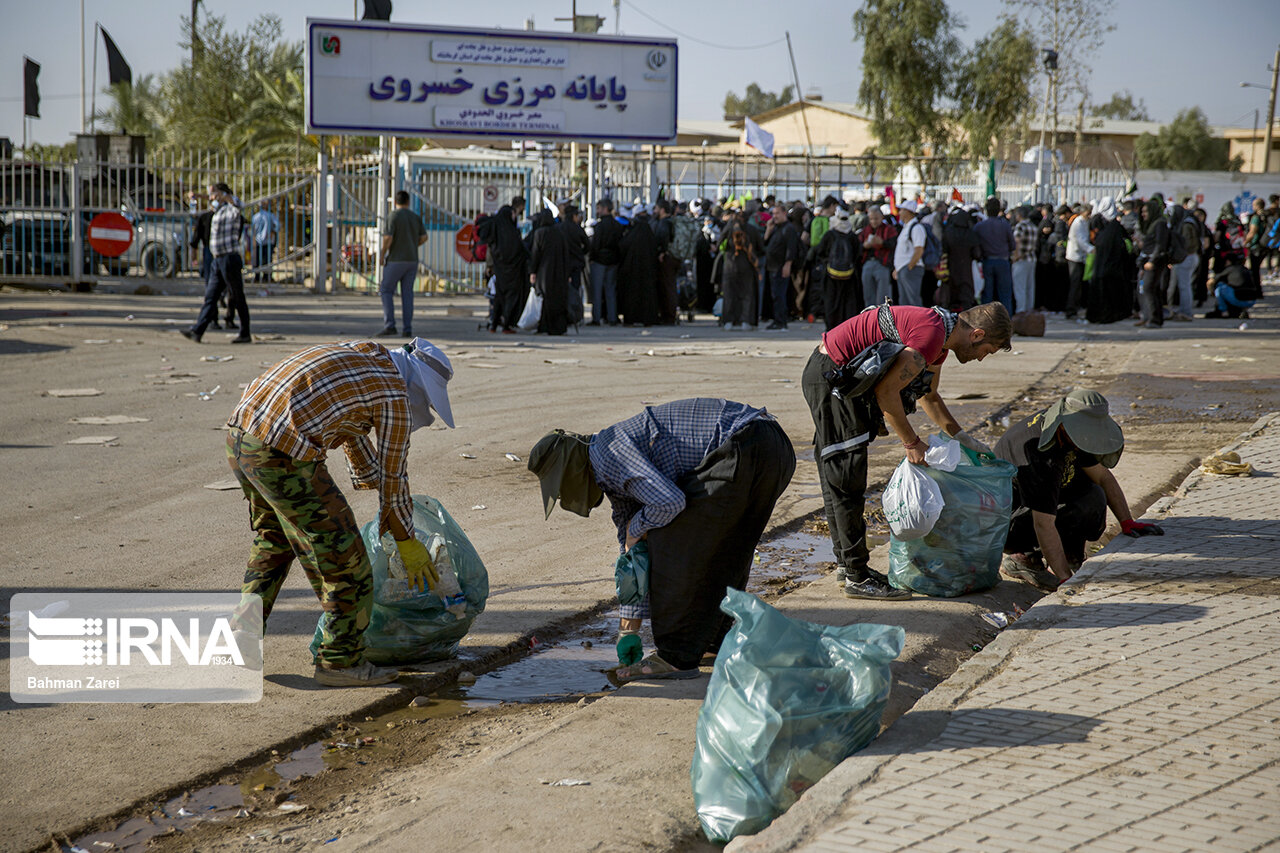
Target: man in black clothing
1063, 488
782, 250
668, 264
1154, 261
606, 253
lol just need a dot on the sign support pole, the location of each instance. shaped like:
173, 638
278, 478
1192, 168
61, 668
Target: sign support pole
319, 222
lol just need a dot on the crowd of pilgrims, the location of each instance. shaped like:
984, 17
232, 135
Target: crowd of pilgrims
762, 263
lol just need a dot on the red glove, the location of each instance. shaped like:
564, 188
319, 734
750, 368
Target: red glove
1140, 528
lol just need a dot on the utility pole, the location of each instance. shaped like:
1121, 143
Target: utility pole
804, 115
196, 45
1271, 112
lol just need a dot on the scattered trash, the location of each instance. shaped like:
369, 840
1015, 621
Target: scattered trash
485, 365
788, 379
223, 485
566, 783
479, 506
93, 439
972, 395
686, 336
105, 420
217, 357
74, 392
185, 812
208, 395
291, 808
513, 457
976, 647
1228, 464
562, 360
1243, 326
467, 455
242, 813
96, 341
466, 677
130, 317
645, 333
1000, 619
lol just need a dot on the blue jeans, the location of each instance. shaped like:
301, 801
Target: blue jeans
997, 277
1183, 274
909, 281
224, 274
778, 290
1226, 297
604, 293
402, 273
876, 285
262, 253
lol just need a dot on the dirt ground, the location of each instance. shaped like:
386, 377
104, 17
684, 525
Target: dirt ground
462, 768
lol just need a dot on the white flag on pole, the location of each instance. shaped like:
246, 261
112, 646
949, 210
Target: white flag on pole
758, 138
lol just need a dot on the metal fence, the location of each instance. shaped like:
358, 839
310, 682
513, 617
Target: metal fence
46, 208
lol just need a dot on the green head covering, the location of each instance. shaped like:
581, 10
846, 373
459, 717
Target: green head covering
1086, 418
562, 463
1228, 211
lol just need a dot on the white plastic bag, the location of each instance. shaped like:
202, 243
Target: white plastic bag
532, 312
912, 502
944, 454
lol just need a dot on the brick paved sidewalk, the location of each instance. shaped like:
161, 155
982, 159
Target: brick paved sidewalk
1136, 709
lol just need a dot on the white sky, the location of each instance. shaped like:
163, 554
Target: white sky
1171, 53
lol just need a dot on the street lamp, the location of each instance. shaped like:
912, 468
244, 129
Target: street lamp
1271, 108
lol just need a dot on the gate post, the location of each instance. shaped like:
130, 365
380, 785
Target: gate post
77, 225
319, 223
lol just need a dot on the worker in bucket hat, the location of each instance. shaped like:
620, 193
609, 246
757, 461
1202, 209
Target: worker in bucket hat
290, 417
1063, 487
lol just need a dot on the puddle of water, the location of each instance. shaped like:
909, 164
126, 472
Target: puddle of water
214, 803
556, 673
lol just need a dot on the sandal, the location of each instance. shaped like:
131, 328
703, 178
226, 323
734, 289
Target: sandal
651, 668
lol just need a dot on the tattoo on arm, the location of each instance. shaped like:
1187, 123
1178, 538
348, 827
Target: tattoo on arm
913, 366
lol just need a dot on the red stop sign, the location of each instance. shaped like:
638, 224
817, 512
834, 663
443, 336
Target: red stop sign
464, 242
110, 234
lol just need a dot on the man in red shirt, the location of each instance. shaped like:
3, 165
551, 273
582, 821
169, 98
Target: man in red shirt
878, 239
851, 401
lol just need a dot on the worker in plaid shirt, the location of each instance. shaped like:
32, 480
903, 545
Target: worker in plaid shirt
1024, 260
225, 234
695, 481
324, 397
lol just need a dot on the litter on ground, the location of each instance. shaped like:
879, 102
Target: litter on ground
93, 439
74, 392
108, 419
223, 485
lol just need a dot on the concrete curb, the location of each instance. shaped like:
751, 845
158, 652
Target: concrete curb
820, 807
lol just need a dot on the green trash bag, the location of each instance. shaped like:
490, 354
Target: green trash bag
788, 701
407, 626
962, 552
631, 574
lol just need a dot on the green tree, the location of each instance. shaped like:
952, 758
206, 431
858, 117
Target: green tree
1186, 144
135, 108
992, 85
206, 99
1122, 106
908, 48
755, 101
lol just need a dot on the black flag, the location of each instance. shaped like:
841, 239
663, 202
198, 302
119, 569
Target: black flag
118, 70
31, 89
377, 10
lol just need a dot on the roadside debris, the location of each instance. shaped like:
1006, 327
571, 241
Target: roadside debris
513, 457
1227, 464
105, 420
208, 395
467, 455
292, 808
1000, 619
217, 358
223, 485
562, 360
565, 783
479, 506
93, 439
73, 392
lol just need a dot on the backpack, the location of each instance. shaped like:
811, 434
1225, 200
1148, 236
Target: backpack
684, 242
932, 248
840, 259
1271, 238
1189, 230
1177, 247
484, 234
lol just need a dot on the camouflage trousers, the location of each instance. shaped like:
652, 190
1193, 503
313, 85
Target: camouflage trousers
295, 508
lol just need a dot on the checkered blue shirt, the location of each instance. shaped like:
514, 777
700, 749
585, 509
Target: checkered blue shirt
638, 461
228, 226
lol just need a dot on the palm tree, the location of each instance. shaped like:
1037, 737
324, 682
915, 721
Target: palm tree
134, 108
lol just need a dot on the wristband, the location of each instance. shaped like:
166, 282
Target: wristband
913, 444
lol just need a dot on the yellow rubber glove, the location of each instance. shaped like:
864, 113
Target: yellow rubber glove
417, 564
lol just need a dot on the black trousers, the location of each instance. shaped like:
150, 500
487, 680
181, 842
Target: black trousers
710, 545
1152, 297
1080, 519
842, 298
842, 432
224, 275
512, 284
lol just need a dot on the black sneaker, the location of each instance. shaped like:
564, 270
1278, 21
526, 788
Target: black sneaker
190, 335
387, 332
1215, 315
875, 590
242, 339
